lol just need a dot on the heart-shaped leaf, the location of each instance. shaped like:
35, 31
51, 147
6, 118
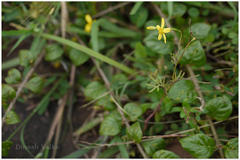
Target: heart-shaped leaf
200, 30
14, 76
77, 57
219, 108
193, 54
199, 145
134, 132
134, 111
182, 90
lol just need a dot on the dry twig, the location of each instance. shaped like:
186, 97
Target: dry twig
110, 9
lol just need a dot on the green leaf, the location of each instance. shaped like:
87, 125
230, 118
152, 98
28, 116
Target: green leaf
77, 57
165, 154
152, 42
110, 126
96, 90
8, 93
18, 43
199, 145
119, 80
10, 63
219, 108
134, 132
182, 90
35, 84
15, 32
53, 52
135, 8
193, 54
122, 147
6, 145
140, 17
109, 152
88, 126
152, 146
231, 149
25, 57
140, 51
134, 111
12, 118
178, 9
200, 30
14, 76
193, 12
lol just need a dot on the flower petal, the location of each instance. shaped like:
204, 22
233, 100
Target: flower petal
88, 27
166, 30
88, 18
158, 27
151, 27
163, 22
165, 39
159, 36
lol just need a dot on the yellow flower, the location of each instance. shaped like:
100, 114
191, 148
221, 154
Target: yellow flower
161, 30
89, 21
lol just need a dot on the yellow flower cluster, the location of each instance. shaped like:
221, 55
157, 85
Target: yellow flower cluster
89, 21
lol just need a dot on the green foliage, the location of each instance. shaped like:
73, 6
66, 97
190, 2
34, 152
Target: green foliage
198, 145
157, 46
122, 148
165, 154
179, 9
200, 30
193, 12
96, 90
134, 132
53, 52
182, 90
25, 58
152, 146
193, 54
133, 111
140, 17
6, 145
12, 118
140, 51
35, 84
231, 149
111, 125
219, 108
135, 8
8, 93
14, 76
77, 57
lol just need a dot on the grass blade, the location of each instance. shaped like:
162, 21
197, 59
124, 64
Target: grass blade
89, 52
15, 33
136, 7
87, 126
18, 43
23, 142
10, 63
